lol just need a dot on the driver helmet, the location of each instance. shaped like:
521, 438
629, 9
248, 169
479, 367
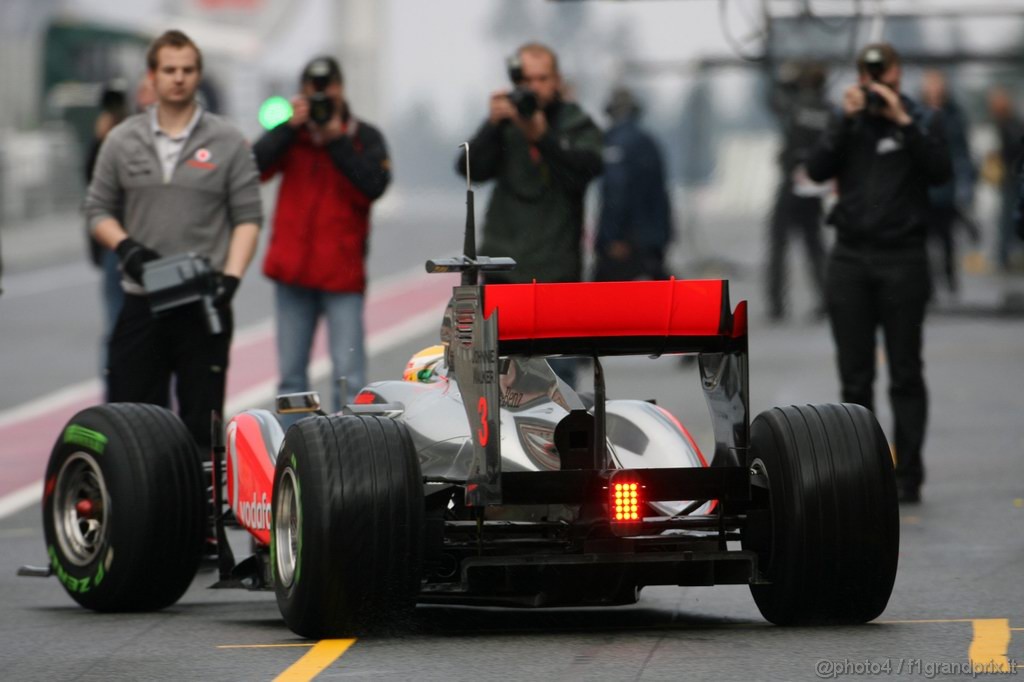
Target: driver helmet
425, 366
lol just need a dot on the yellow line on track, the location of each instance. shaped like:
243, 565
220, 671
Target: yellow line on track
988, 648
265, 646
915, 622
323, 654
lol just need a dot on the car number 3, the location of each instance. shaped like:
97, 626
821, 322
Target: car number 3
483, 433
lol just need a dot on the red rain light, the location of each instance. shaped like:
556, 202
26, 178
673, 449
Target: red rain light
365, 398
625, 501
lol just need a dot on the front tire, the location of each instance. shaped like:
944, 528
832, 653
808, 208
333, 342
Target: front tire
123, 508
829, 537
348, 516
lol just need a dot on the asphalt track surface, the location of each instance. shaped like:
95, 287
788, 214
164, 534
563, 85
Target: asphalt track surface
957, 600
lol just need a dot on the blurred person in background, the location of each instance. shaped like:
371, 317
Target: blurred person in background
541, 164
884, 153
168, 181
1018, 215
635, 224
804, 114
1010, 131
113, 106
145, 95
333, 166
951, 201
113, 110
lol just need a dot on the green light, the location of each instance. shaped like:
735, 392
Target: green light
274, 111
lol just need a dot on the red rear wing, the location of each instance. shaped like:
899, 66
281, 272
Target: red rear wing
615, 318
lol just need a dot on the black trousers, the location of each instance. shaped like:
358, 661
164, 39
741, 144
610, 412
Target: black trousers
942, 244
870, 289
641, 264
801, 215
145, 352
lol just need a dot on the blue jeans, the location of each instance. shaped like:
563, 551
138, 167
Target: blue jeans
113, 294
298, 311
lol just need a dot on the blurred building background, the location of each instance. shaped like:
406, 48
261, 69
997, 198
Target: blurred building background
423, 71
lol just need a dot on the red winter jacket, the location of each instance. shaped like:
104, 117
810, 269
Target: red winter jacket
322, 221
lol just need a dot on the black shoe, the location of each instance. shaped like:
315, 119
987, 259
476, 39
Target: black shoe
908, 494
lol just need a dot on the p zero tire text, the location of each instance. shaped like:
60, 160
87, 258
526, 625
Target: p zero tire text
123, 508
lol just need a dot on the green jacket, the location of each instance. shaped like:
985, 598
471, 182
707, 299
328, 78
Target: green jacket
536, 211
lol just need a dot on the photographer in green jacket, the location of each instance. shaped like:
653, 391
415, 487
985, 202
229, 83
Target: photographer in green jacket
541, 151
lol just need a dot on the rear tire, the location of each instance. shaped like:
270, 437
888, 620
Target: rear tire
830, 542
124, 508
348, 517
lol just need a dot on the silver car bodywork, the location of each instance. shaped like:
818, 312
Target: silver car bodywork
641, 435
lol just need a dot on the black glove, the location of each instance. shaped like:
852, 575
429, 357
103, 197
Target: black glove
227, 285
132, 255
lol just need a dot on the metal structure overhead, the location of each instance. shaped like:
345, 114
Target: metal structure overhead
755, 36
763, 33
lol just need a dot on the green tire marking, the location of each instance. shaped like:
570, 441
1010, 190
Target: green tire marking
298, 507
79, 435
80, 585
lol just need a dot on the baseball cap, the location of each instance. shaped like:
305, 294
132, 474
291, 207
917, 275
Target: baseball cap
875, 53
322, 67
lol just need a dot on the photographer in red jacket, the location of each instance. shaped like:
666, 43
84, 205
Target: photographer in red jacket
333, 167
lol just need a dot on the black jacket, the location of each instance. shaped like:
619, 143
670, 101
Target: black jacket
803, 119
535, 214
883, 172
635, 205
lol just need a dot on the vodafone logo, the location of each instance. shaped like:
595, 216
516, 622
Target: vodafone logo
256, 514
203, 155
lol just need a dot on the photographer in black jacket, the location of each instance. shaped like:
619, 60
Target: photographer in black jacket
884, 153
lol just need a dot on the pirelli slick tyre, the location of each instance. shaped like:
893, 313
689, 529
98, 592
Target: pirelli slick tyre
123, 508
347, 534
828, 540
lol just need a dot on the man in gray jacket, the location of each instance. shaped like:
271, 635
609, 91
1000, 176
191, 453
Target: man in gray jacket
172, 180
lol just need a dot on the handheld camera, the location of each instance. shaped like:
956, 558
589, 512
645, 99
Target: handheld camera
875, 66
184, 279
522, 98
321, 106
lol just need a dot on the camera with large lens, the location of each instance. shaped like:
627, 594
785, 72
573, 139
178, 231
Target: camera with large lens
875, 66
523, 99
175, 281
321, 106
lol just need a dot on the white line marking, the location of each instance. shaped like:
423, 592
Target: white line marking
255, 333
376, 344
69, 395
22, 285
319, 369
19, 499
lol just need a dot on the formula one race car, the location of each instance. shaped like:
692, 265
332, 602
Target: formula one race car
484, 479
